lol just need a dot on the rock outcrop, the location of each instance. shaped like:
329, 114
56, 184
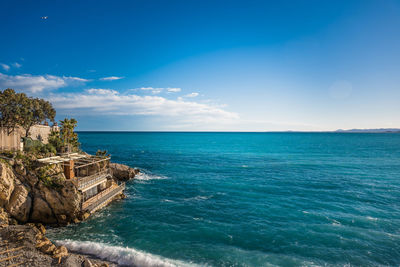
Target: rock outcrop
123, 172
63, 203
30, 192
42, 212
25, 196
20, 203
6, 183
30, 247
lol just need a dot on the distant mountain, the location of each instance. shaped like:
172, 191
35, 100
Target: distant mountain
381, 130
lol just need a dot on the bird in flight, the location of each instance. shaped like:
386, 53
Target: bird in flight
45, 17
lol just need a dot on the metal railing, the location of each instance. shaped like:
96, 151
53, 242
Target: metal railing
87, 181
103, 198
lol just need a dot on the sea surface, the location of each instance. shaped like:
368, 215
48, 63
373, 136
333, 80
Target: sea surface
248, 199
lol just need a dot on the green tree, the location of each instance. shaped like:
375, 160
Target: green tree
17, 109
11, 109
68, 136
56, 141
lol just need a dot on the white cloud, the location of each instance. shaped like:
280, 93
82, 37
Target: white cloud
17, 65
152, 89
157, 90
111, 78
76, 79
110, 102
192, 95
101, 91
5, 66
37, 83
174, 90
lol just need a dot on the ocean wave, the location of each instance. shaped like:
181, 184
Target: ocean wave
120, 255
146, 177
199, 198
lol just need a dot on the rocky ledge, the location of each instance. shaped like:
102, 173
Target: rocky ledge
32, 195
123, 172
27, 245
41, 194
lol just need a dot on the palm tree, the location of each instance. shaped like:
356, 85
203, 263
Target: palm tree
69, 137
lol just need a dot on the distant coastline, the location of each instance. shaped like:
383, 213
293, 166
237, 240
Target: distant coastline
379, 130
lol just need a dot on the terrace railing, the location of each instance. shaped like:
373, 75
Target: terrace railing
103, 198
87, 181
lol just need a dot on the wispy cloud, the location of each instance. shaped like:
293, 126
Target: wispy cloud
101, 91
192, 95
152, 89
111, 102
37, 83
157, 90
174, 90
17, 65
111, 78
5, 66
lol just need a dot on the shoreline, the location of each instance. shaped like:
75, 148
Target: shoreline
23, 240
25, 245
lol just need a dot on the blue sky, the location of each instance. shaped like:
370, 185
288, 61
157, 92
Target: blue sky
207, 65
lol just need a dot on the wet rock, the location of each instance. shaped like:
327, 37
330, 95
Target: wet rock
61, 251
48, 248
41, 228
123, 172
88, 263
85, 216
72, 261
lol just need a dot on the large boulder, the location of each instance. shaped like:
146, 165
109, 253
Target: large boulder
42, 212
64, 202
123, 172
20, 203
7, 180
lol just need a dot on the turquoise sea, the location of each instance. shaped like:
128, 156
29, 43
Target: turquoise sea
248, 199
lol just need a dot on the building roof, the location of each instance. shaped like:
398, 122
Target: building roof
80, 160
62, 158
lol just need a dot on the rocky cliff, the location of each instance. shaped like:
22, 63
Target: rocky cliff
30, 192
41, 194
123, 172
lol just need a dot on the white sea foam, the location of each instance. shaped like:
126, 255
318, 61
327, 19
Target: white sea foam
199, 198
120, 255
146, 177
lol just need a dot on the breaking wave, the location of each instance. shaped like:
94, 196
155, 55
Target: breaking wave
120, 255
146, 177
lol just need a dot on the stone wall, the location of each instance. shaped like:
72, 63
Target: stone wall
40, 132
10, 141
13, 141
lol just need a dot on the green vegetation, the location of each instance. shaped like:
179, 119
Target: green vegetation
17, 109
49, 178
68, 136
37, 147
102, 153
